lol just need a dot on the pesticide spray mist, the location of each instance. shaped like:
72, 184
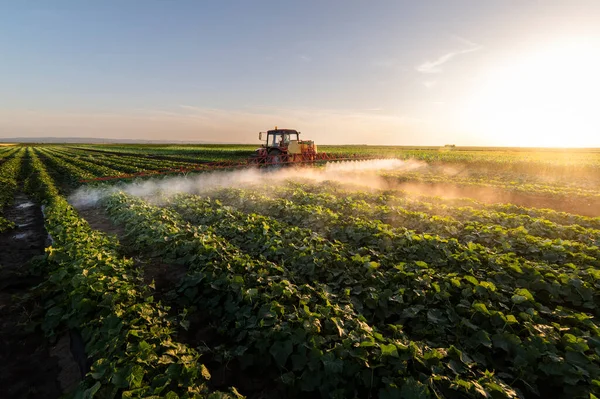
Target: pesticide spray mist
356, 173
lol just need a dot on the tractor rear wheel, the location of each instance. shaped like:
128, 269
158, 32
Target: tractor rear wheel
276, 157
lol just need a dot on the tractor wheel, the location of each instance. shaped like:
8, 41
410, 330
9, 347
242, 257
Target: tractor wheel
275, 157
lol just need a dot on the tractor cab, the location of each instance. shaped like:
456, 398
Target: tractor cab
280, 138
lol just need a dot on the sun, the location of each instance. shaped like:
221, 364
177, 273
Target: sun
547, 98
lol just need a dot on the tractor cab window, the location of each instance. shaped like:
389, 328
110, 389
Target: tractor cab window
281, 138
274, 140
287, 137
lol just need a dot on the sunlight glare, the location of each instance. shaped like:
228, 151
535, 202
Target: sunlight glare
546, 99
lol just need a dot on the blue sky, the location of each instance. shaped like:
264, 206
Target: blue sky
385, 72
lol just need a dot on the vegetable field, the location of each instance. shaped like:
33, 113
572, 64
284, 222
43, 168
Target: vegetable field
453, 274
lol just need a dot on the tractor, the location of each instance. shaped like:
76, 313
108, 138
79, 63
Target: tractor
283, 146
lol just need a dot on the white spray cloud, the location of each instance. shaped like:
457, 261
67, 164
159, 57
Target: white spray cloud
358, 173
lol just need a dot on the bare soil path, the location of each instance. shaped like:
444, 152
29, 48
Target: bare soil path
27, 369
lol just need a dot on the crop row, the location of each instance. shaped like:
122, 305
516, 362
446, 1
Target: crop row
459, 208
501, 157
561, 191
275, 317
372, 234
115, 163
529, 237
137, 161
404, 284
8, 151
9, 172
94, 169
425, 288
91, 288
407, 245
181, 153
64, 171
110, 165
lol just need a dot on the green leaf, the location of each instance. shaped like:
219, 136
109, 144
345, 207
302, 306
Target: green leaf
91, 392
136, 376
481, 337
481, 308
280, 351
413, 389
522, 292
332, 364
421, 264
389, 350
471, 280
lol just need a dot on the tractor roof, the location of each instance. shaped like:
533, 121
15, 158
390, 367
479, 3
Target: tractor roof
275, 131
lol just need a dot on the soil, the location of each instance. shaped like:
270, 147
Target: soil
98, 220
27, 367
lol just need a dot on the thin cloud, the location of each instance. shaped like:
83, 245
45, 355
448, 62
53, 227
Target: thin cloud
435, 66
465, 41
429, 83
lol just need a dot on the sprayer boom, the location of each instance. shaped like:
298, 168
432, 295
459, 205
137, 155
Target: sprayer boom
270, 162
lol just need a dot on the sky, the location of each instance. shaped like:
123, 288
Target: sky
495, 73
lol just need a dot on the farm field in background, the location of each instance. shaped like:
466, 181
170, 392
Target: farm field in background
439, 272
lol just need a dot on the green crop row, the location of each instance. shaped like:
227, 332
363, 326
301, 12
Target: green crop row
191, 153
9, 172
65, 171
401, 244
567, 225
126, 332
142, 161
373, 279
435, 204
8, 151
122, 166
94, 169
535, 239
560, 191
310, 333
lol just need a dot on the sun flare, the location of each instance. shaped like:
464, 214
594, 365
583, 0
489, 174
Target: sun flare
546, 99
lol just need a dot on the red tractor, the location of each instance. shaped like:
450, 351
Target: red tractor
283, 146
